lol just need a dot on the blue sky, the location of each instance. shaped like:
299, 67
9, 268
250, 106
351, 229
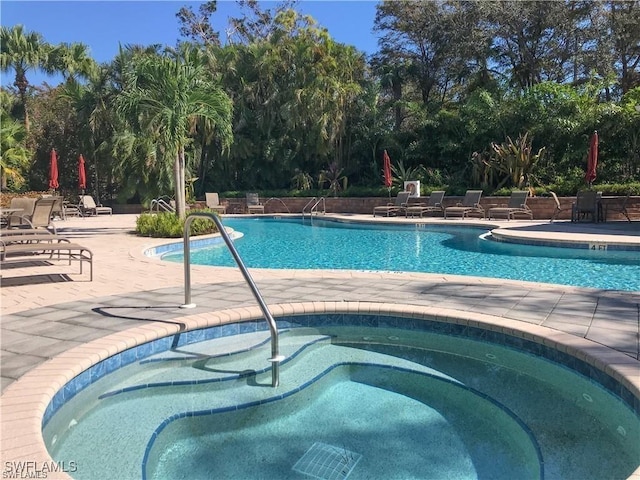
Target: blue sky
103, 25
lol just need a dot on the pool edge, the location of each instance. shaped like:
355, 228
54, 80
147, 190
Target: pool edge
26, 400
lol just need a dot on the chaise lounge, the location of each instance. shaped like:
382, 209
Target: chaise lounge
39, 249
88, 206
393, 208
253, 203
434, 205
470, 205
213, 203
517, 206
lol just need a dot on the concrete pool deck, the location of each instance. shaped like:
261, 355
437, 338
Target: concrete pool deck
52, 323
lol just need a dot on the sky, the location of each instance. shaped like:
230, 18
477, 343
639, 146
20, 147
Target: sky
104, 25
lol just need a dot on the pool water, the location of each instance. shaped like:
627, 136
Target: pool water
368, 402
289, 243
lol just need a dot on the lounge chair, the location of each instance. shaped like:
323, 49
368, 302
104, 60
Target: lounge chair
253, 203
39, 218
618, 208
393, 208
58, 208
24, 235
213, 203
470, 205
587, 205
517, 206
22, 218
88, 206
433, 205
39, 251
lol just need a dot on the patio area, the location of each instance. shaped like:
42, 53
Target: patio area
45, 315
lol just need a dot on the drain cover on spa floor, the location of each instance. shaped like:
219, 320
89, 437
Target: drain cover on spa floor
327, 462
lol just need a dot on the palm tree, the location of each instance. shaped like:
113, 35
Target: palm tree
73, 60
164, 98
22, 51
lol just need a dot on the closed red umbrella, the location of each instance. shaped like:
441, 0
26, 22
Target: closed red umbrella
592, 159
53, 170
388, 180
82, 175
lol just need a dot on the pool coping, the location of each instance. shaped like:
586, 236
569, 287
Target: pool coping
27, 399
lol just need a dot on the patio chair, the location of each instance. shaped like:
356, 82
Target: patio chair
88, 206
434, 205
21, 219
43, 250
393, 208
213, 203
40, 217
517, 206
253, 203
587, 205
470, 205
58, 208
618, 208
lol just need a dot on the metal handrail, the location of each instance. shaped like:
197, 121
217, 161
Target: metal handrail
280, 200
159, 203
324, 206
276, 358
314, 199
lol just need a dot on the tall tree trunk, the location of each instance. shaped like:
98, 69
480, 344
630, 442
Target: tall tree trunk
22, 84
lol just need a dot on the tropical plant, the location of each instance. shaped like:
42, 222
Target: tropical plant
169, 225
72, 60
333, 176
403, 174
514, 161
163, 98
302, 180
15, 157
22, 51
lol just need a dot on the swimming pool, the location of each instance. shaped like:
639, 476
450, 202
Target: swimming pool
460, 250
375, 396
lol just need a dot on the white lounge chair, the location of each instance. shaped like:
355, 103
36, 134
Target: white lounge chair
213, 203
88, 206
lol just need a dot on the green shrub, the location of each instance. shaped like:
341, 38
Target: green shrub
168, 225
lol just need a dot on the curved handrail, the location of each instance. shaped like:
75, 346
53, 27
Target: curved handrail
324, 206
160, 203
308, 204
280, 200
276, 358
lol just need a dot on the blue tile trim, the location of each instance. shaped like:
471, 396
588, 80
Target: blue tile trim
213, 380
140, 352
178, 246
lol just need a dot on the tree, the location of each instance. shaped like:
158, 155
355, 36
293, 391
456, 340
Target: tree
72, 60
165, 97
22, 51
198, 27
14, 155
